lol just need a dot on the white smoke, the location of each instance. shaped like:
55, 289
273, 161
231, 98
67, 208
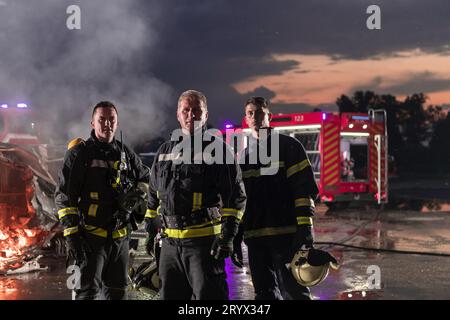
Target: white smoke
63, 73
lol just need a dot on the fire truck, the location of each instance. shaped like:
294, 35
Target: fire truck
18, 125
348, 153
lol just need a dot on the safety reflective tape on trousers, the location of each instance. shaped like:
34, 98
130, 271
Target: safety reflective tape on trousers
66, 211
304, 202
305, 221
269, 231
104, 233
297, 167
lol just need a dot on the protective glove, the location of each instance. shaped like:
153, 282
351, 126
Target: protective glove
77, 249
237, 256
152, 226
222, 248
303, 239
149, 244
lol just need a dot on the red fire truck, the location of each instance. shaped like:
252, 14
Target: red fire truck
348, 152
18, 125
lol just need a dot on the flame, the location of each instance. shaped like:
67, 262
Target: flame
14, 243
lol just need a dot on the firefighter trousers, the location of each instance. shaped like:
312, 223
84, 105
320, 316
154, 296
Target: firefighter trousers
104, 274
188, 271
267, 257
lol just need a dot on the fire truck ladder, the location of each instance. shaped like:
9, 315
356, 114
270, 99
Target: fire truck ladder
380, 114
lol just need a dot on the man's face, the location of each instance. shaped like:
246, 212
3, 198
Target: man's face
105, 124
190, 111
256, 118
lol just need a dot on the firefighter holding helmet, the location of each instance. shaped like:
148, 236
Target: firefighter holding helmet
278, 219
101, 192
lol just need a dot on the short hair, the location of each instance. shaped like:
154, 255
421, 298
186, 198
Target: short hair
104, 104
193, 95
259, 102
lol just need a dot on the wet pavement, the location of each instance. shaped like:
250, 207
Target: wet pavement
401, 276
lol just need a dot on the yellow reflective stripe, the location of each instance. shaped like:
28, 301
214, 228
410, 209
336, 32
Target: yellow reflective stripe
120, 233
270, 231
94, 195
104, 233
229, 212
193, 233
257, 172
304, 202
251, 173
93, 210
66, 211
297, 167
151, 213
96, 231
196, 200
305, 221
69, 231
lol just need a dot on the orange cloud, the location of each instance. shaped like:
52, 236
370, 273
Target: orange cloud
320, 79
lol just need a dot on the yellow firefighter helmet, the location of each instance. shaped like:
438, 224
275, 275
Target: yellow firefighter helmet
310, 267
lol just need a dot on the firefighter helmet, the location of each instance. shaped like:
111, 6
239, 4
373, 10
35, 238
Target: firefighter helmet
147, 278
310, 267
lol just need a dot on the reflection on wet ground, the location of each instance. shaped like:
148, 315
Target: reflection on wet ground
401, 276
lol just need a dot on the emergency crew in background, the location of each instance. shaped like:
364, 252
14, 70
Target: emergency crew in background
102, 189
199, 206
278, 216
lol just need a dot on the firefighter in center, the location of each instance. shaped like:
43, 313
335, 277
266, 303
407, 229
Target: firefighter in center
278, 219
101, 192
199, 205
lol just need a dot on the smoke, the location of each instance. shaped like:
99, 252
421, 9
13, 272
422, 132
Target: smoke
63, 73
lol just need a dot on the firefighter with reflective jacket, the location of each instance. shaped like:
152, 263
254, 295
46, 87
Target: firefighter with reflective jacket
199, 205
280, 205
101, 192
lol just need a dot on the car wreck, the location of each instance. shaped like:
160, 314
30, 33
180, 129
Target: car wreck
28, 219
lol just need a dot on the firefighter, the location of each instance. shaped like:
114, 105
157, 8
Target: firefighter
101, 191
199, 206
280, 205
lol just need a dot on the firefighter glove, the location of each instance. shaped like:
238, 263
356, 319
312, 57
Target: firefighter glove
77, 249
222, 248
303, 239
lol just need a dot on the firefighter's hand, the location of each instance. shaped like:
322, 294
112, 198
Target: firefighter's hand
237, 257
222, 248
303, 239
77, 249
149, 244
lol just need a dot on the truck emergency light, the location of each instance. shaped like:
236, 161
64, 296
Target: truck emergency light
22, 105
4, 106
